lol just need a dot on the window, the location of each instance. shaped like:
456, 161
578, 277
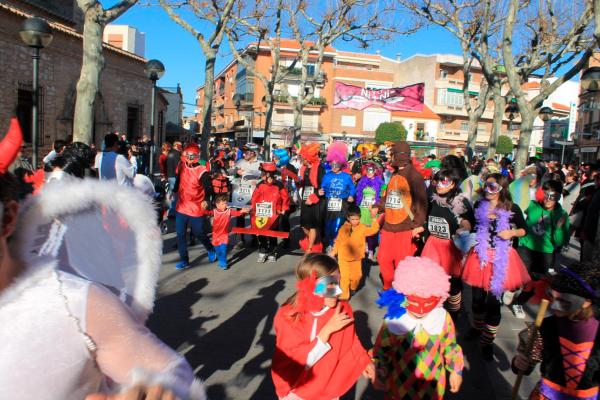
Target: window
441, 97
420, 132
454, 99
372, 119
133, 121
443, 74
442, 126
464, 126
348, 120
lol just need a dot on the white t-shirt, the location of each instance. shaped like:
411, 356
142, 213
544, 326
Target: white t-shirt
111, 165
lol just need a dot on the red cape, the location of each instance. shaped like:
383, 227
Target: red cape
333, 375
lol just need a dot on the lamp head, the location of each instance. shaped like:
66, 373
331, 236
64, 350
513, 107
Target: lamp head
154, 70
36, 33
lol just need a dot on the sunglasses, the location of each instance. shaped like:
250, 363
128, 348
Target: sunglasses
192, 156
335, 165
492, 188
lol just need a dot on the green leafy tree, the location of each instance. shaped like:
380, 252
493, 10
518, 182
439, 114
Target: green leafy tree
505, 145
390, 132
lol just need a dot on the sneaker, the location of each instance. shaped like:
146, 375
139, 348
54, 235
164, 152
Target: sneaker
507, 298
272, 258
223, 267
370, 255
262, 257
239, 245
182, 265
487, 352
518, 311
212, 255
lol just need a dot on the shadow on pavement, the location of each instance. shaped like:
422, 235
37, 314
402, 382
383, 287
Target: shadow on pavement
172, 318
229, 342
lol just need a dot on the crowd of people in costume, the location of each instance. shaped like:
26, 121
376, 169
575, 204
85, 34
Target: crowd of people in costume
431, 225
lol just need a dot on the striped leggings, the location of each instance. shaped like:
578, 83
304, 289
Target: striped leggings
486, 314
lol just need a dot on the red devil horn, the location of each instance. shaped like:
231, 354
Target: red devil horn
10, 145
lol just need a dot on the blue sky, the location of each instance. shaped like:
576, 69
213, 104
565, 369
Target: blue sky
184, 63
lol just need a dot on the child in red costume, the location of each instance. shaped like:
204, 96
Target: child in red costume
222, 215
404, 205
317, 353
269, 200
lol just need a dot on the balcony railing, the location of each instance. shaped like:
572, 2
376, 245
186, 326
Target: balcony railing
315, 101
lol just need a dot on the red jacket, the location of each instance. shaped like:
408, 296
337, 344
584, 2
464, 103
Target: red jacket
191, 192
276, 195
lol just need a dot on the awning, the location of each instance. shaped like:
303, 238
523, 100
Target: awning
454, 90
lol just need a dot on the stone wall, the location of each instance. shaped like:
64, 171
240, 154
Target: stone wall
123, 83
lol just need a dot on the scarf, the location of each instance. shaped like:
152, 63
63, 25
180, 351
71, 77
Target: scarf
500, 245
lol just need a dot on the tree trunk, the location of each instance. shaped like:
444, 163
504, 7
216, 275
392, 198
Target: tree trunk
297, 121
527, 118
499, 105
472, 134
91, 68
209, 91
269, 111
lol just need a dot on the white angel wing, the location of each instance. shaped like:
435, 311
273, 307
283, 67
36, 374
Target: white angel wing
99, 231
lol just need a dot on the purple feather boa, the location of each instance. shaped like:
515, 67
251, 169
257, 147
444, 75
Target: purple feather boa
500, 245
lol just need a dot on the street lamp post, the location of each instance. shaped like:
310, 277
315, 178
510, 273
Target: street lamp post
154, 70
37, 34
511, 111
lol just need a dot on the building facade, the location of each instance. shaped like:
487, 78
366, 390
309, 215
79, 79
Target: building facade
126, 38
587, 136
441, 126
122, 103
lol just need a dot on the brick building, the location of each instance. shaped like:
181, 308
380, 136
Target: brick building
122, 104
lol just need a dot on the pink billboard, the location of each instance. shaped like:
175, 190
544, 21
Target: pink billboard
407, 98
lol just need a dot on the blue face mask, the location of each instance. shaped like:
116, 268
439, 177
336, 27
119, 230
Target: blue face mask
324, 286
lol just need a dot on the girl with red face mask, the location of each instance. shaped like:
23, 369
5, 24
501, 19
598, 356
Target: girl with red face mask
417, 331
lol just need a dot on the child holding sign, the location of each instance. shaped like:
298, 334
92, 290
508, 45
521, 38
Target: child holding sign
269, 200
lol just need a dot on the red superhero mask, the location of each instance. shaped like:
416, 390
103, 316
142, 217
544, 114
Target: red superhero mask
421, 306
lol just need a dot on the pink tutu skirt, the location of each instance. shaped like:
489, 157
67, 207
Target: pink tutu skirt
445, 253
516, 273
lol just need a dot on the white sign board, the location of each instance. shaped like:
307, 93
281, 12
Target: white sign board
572, 120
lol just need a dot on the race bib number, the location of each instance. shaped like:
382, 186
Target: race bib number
264, 209
439, 227
307, 191
367, 202
245, 190
393, 200
334, 204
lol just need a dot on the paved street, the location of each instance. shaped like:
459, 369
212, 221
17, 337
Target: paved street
222, 322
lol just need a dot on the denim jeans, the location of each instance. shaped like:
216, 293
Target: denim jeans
197, 225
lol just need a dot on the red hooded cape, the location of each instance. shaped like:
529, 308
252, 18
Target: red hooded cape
333, 375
